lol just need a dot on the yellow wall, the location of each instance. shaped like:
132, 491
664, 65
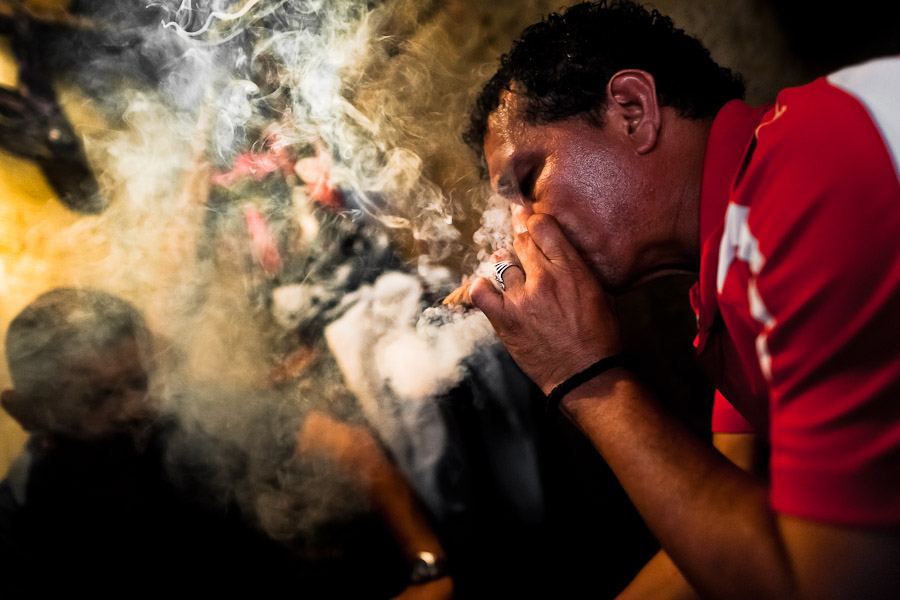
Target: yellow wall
25, 201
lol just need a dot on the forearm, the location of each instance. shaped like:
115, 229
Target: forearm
660, 579
395, 500
354, 450
712, 518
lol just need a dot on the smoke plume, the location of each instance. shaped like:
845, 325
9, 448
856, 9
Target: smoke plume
288, 198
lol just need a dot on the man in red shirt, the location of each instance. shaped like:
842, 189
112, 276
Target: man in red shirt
625, 155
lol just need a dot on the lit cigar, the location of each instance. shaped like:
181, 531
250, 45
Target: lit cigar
460, 296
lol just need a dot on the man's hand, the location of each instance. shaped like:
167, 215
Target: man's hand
554, 317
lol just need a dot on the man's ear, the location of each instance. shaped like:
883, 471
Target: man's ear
632, 103
20, 409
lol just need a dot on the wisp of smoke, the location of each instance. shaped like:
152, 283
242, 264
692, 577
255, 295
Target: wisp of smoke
288, 199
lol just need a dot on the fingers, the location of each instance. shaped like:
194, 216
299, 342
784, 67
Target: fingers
486, 297
520, 216
532, 259
549, 238
542, 235
508, 275
545, 247
514, 275
504, 254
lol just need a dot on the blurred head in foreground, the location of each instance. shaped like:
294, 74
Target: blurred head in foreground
78, 360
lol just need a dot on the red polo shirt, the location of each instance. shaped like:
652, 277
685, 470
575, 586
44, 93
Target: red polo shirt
799, 294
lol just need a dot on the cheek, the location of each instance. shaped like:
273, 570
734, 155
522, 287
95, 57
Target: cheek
574, 208
590, 199
608, 192
604, 181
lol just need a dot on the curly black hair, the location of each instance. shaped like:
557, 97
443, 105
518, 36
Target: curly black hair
561, 66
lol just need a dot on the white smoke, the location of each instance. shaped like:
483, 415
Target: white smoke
379, 92
398, 360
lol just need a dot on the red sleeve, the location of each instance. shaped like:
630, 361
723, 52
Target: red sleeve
726, 418
825, 209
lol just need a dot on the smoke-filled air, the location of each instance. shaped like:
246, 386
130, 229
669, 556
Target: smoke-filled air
282, 190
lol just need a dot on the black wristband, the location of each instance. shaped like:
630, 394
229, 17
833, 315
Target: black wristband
601, 366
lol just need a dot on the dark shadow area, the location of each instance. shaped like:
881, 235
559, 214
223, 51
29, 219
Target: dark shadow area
827, 37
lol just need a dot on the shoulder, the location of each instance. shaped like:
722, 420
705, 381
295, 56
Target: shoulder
826, 155
823, 133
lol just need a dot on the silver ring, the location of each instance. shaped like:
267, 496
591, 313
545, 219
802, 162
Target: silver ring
499, 269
